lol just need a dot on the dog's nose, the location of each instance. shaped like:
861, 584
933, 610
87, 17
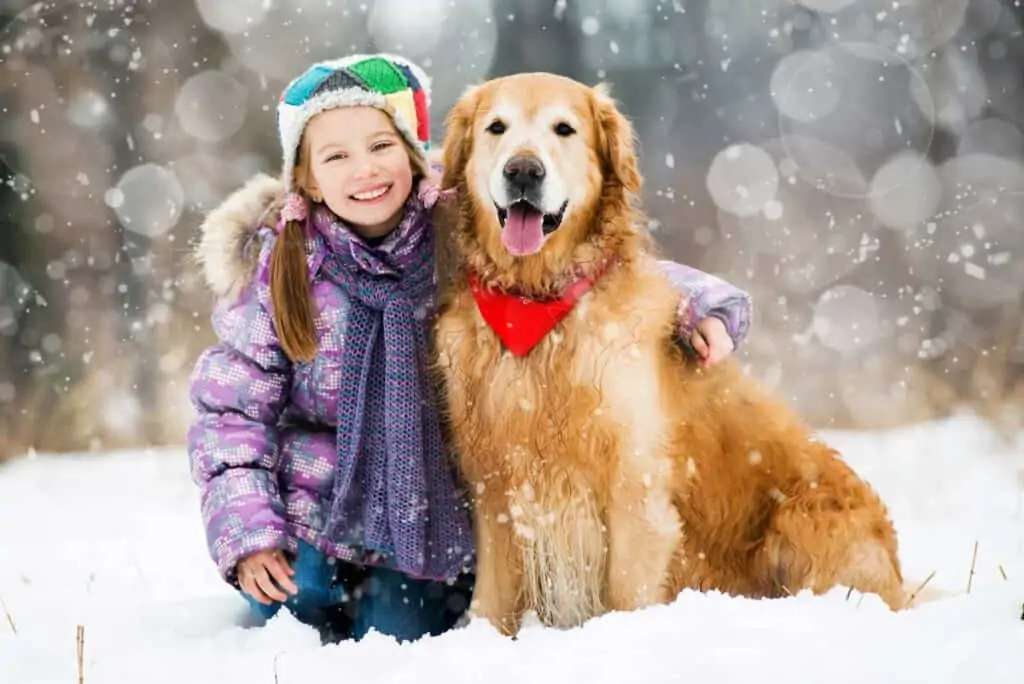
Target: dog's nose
524, 171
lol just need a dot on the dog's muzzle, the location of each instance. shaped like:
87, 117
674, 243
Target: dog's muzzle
524, 174
524, 223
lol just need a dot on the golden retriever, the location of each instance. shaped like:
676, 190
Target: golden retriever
609, 471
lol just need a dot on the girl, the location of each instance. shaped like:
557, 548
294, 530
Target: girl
325, 483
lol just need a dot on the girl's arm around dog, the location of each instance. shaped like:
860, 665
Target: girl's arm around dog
705, 295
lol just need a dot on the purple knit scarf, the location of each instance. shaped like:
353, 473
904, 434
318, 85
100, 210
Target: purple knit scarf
394, 490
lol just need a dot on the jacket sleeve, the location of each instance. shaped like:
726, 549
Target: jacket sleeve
239, 388
705, 295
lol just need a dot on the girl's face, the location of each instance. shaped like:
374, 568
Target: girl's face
358, 166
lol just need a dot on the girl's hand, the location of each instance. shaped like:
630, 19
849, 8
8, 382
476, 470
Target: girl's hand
264, 574
711, 341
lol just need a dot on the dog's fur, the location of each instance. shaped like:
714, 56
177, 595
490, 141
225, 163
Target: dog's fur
609, 472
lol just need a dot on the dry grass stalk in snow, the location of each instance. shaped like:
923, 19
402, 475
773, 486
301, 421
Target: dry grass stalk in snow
920, 588
80, 656
277, 655
7, 614
974, 560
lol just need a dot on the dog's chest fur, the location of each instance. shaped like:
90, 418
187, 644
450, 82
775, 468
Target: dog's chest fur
548, 439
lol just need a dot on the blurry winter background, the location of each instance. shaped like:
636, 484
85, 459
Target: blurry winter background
858, 165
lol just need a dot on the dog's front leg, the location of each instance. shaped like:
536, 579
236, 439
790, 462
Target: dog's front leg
644, 531
497, 596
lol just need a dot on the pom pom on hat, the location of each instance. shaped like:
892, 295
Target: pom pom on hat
390, 83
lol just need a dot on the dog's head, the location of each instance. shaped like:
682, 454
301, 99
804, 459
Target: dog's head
539, 159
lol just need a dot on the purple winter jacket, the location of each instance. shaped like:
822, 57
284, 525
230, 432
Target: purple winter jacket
263, 447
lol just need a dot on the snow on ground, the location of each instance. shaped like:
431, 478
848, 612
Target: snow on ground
114, 542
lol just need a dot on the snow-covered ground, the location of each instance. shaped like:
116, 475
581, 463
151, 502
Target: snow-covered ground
113, 542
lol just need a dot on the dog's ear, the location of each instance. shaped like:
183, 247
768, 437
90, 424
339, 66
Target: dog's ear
458, 138
616, 141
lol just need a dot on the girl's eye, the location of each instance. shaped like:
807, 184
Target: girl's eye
335, 157
383, 145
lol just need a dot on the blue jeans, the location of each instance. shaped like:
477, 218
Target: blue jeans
338, 593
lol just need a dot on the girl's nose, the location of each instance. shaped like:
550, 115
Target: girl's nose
365, 168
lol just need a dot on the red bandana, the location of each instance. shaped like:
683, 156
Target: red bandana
521, 322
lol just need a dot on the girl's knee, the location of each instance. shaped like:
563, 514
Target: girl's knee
315, 573
406, 608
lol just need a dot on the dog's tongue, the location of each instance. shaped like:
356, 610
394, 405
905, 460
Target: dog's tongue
523, 232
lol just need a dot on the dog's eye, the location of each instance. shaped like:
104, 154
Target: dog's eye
563, 129
497, 127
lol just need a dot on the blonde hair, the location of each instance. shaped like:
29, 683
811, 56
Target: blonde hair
290, 295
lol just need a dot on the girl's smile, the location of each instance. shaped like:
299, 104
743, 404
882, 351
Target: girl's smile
375, 194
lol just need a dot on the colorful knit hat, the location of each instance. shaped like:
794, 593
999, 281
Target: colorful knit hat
392, 84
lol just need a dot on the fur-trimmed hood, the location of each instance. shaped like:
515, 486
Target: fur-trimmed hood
226, 251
